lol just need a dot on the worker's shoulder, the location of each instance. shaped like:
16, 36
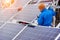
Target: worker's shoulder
46, 11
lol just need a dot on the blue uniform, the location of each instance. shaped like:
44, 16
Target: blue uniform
45, 18
53, 12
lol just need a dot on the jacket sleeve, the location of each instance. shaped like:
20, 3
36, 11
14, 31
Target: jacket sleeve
40, 20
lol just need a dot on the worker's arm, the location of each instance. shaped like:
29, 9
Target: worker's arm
53, 23
40, 19
53, 13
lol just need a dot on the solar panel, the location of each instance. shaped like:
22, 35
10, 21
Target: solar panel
9, 31
30, 33
6, 14
28, 14
38, 33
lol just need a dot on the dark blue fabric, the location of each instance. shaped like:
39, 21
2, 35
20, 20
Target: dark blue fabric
45, 17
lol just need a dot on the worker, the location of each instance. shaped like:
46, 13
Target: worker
45, 17
53, 13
